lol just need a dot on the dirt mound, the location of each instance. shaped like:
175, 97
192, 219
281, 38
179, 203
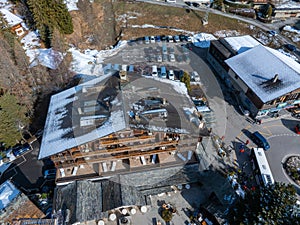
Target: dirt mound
93, 25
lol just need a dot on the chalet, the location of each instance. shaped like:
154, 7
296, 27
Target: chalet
238, 59
266, 80
224, 48
104, 127
14, 204
286, 10
13, 21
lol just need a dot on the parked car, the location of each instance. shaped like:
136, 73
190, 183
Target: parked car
163, 38
154, 71
147, 40
170, 38
171, 50
272, 33
172, 58
163, 72
171, 75
244, 111
176, 38
180, 74
157, 38
182, 37
297, 128
152, 39
260, 140
195, 4
201, 105
290, 47
164, 57
50, 174
195, 76
188, 38
20, 149
159, 58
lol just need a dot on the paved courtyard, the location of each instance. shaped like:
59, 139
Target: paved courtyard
185, 201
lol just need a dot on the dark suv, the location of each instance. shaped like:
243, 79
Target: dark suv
20, 149
260, 140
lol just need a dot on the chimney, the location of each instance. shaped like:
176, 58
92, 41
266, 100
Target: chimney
275, 78
137, 117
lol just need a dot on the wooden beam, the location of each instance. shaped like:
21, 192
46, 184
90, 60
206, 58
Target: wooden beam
125, 149
133, 154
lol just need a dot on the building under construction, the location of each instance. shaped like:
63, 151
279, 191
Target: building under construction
104, 127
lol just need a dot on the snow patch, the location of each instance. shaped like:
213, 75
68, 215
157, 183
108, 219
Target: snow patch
5, 4
89, 61
295, 33
30, 41
72, 4
45, 57
202, 40
8, 192
288, 54
226, 33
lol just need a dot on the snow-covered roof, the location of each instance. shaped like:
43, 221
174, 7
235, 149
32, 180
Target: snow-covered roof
62, 129
46, 57
241, 43
65, 128
5, 4
289, 5
258, 66
11, 18
8, 192
202, 40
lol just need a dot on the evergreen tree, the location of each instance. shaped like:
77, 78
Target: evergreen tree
187, 80
272, 204
12, 117
49, 15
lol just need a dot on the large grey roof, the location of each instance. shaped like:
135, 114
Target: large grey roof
101, 106
258, 66
87, 200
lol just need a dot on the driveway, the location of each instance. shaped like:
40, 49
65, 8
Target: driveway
26, 172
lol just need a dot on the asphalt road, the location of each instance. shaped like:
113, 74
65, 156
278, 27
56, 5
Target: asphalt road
26, 172
280, 134
263, 26
284, 142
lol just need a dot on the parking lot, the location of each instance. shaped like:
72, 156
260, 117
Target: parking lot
142, 55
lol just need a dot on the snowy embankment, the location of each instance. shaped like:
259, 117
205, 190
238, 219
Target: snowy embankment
89, 61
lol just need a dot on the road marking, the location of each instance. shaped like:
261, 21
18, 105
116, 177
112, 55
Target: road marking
267, 128
279, 135
266, 134
241, 133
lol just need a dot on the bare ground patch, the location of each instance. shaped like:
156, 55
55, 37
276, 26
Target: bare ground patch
166, 16
94, 25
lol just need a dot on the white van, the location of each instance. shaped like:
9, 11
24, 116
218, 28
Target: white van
171, 75
154, 71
